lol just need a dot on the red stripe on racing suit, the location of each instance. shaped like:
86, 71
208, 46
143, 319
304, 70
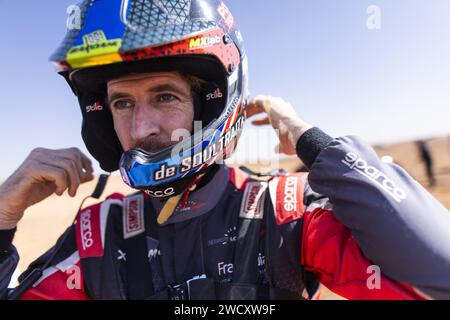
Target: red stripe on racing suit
332, 255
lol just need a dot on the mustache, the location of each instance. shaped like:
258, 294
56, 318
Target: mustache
153, 144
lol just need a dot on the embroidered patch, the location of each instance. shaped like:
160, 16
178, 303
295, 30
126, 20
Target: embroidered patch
133, 216
88, 235
252, 205
286, 193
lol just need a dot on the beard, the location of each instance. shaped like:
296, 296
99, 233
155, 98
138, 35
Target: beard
154, 144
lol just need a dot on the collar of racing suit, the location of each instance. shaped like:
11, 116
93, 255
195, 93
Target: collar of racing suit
203, 199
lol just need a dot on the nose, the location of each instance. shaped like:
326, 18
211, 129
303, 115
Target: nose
145, 123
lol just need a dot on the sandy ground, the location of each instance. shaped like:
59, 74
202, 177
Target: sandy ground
406, 155
44, 222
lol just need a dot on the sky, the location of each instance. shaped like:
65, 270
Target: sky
386, 85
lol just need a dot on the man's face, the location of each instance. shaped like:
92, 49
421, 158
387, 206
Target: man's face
147, 108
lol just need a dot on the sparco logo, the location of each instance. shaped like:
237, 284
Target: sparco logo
355, 162
290, 194
86, 230
95, 107
161, 193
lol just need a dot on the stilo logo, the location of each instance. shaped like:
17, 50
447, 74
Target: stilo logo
95, 107
290, 194
215, 95
86, 230
355, 162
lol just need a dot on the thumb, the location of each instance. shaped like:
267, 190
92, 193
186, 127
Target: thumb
261, 122
282, 148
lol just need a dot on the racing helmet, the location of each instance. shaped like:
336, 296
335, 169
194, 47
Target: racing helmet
112, 38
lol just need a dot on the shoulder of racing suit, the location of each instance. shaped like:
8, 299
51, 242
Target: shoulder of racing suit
327, 249
64, 279
370, 210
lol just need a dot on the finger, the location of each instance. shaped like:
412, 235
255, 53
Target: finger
72, 172
261, 122
69, 160
76, 159
287, 150
253, 109
261, 102
259, 99
46, 172
70, 167
87, 165
84, 166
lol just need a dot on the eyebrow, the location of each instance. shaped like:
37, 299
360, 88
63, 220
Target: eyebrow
156, 89
167, 87
115, 96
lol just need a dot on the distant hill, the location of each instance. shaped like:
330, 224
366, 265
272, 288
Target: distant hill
406, 155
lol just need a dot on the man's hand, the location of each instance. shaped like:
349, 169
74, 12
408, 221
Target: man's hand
281, 115
43, 173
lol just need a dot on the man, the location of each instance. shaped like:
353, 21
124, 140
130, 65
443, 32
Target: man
198, 229
427, 159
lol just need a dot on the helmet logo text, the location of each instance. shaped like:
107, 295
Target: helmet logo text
203, 42
215, 95
95, 107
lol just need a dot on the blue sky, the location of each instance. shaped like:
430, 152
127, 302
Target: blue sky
385, 85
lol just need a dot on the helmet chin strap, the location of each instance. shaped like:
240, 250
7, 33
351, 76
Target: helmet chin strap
172, 203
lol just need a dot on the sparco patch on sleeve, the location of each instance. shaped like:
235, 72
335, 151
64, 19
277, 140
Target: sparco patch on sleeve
133, 216
252, 205
286, 193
